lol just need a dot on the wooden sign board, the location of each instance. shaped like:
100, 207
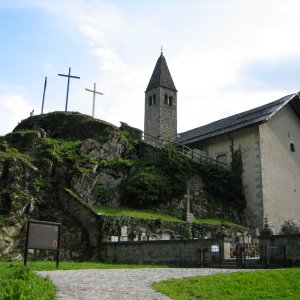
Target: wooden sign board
42, 235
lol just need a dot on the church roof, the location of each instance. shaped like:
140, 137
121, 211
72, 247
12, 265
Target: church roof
161, 76
245, 119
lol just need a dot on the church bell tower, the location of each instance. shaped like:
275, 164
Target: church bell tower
161, 104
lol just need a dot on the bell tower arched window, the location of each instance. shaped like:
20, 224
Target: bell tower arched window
168, 100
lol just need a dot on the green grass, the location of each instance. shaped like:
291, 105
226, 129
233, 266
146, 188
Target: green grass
267, 284
134, 213
219, 222
20, 283
17, 282
151, 215
68, 265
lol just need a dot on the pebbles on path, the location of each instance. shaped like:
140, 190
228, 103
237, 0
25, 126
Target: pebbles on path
117, 284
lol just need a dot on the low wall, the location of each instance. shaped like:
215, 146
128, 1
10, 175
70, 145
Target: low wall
155, 252
87, 218
281, 250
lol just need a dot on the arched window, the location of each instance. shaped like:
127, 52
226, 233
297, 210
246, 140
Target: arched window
150, 100
292, 147
171, 101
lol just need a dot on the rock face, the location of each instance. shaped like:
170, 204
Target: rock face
35, 168
54, 167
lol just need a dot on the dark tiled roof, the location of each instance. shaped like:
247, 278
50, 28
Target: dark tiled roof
161, 76
245, 119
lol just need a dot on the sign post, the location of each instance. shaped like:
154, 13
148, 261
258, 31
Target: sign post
43, 235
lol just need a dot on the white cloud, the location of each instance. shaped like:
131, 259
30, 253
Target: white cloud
14, 108
96, 36
205, 54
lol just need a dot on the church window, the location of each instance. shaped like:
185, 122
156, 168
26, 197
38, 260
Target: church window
154, 99
292, 147
171, 101
150, 101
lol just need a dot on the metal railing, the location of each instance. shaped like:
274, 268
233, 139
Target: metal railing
188, 152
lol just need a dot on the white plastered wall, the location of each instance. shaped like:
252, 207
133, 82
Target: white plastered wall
281, 167
248, 139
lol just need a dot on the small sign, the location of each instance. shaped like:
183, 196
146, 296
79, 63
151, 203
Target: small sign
215, 248
43, 235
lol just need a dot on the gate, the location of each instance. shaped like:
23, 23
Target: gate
195, 256
248, 256
274, 256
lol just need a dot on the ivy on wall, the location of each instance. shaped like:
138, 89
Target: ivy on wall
165, 178
111, 225
156, 183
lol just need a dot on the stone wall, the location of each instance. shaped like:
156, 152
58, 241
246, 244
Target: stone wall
152, 252
88, 219
160, 118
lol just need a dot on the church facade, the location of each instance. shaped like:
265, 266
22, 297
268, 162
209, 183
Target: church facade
269, 137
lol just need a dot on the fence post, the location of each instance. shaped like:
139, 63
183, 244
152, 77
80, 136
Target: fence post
284, 255
267, 255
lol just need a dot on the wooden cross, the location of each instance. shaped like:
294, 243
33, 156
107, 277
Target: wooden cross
45, 85
94, 97
69, 76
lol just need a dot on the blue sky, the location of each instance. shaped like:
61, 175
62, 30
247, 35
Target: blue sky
224, 56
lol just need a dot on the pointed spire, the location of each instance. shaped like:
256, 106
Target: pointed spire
161, 75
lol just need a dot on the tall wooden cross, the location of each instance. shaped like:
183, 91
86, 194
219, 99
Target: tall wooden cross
45, 85
94, 97
69, 76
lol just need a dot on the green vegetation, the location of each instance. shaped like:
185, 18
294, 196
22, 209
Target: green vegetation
69, 265
70, 126
17, 282
271, 284
219, 222
134, 213
158, 181
224, 186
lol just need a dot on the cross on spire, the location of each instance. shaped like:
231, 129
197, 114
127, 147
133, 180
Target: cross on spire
69, 76
94, 97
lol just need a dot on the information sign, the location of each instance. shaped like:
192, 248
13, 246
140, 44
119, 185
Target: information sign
43, 235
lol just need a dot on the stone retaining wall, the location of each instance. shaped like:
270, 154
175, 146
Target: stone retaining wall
154, 252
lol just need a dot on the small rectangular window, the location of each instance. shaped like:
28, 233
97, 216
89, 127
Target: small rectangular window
166, 99
292, 147
150, 100
154, 99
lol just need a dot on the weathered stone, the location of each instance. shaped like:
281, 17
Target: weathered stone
12, 231
6, 244
15, 257
110, 150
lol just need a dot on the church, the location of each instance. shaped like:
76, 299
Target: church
269, 138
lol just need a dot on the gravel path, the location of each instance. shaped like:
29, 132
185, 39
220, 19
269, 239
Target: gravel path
117, 284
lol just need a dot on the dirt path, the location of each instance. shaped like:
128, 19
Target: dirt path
117, 284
